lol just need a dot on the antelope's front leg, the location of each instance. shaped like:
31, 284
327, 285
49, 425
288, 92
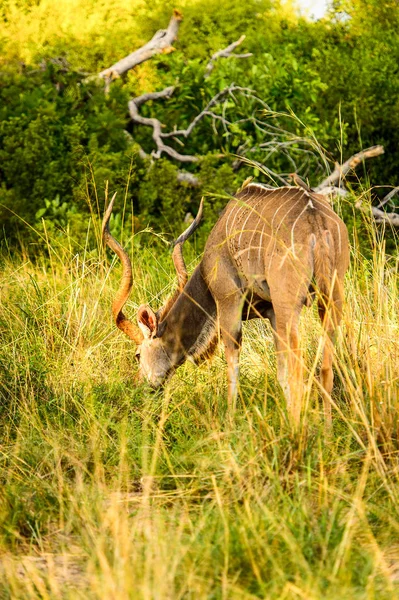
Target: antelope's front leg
231, 332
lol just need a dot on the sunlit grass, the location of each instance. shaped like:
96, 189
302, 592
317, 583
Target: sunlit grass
110, 491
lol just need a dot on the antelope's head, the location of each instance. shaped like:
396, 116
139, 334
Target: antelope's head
158, 358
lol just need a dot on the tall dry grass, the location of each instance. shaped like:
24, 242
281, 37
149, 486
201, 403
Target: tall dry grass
110, 491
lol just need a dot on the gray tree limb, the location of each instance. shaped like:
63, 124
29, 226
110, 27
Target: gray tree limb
158, 135
225, 53
388, 197
156, 125
189, 178
161, 42
333, 190
381, 216
206, 112
326, 187
165, 93
341, 170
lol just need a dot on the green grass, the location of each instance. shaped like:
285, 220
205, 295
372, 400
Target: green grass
111, 491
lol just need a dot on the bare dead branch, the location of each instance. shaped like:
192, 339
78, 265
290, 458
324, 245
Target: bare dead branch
186, 132
182, 176
161, 42
158, 135
326, 187
380, 216
341, 170
143, 155
156, 125
294, 145
165, 93
189, 178
225, 53
388, 197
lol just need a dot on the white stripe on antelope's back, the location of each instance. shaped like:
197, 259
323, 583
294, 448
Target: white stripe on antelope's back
262, 224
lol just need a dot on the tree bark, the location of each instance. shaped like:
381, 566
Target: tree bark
225, 53
161, 42
341, 170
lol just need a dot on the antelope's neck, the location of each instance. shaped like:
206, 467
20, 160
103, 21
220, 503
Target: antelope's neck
191, 322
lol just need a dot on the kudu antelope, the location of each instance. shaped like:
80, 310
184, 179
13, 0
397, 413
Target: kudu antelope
270, 253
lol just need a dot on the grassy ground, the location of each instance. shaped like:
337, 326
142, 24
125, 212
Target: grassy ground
110, 491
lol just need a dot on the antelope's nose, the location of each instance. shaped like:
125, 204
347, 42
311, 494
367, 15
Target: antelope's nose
154, 381
156, 385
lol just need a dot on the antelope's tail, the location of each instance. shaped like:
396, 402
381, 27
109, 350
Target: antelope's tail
323, 266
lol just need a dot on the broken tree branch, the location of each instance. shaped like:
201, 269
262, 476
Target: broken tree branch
388, 197
225, 53
326, 188
161, 42
156, 125
158, 135
281, 141
182, 176
341, 170
189, 178
333, 190
165, 93
380, 217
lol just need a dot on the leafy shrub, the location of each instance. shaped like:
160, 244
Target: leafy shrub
318, 89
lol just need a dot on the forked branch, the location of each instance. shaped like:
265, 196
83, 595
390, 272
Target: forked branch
158, 135
225, 53
205, 113
156, 125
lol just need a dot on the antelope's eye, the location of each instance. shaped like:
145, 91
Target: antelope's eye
137, 355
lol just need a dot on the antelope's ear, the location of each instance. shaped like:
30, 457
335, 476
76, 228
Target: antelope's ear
147, 321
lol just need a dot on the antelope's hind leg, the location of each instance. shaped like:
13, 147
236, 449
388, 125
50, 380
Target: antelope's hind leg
289, 359
289, 275
330, 313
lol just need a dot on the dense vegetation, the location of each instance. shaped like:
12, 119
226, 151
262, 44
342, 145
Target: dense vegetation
335, 81
106, 489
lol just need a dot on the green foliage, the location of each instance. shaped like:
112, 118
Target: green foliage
53, 126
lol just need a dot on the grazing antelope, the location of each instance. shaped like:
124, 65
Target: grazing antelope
269, 254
